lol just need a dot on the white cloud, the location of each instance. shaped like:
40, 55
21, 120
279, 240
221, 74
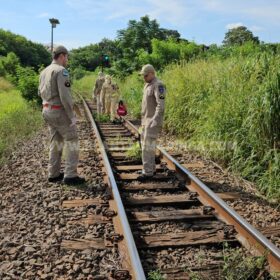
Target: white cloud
234, 25
175, 12
253, 28
43, 15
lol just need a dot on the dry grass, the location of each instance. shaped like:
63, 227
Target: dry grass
5, 85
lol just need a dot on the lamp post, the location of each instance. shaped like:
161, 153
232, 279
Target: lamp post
53, 22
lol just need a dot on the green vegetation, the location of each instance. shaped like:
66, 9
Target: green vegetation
226, 109
20, 61
5, 85
123, 51
134, 152
29, 53
102, 118
155, 275
247, 267
239, 36
84, 86
18, 81
18, 120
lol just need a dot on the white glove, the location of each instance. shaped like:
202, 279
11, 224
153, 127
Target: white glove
73, 121
153, 123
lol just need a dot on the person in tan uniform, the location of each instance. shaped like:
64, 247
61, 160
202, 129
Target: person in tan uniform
152, 113
106, 93
97, 90
54, 89
114, 100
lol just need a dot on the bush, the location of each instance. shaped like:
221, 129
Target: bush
28, 82
165, 52
78, 73
9, 67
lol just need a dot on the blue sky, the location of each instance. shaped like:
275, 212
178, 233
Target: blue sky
88, 21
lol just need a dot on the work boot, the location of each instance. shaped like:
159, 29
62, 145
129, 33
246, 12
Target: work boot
74, 181
144, 177
56, 179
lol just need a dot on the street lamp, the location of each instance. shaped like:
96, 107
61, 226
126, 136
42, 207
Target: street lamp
53, 22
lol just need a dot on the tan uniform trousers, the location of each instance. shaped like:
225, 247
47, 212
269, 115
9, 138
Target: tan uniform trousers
62, 136
114, 107
102, 103
107, 103
98, 104
148, 142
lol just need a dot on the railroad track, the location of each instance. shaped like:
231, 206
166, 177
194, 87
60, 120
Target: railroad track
173, 212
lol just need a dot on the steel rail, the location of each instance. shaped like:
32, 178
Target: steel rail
138, 272
249, 237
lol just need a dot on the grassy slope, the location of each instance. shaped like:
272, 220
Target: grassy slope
18, 119
226, 110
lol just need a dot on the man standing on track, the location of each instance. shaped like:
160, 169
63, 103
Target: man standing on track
97, 91
54, 89
115, 95
152, 118
106, 92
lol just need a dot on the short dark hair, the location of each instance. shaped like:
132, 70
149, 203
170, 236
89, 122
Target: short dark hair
56, 56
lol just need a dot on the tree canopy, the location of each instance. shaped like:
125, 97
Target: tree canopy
239, 36
139, 35
29, 53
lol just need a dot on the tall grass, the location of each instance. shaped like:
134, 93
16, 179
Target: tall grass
84, 86
18, 120
227, 109
5, 85
131, 93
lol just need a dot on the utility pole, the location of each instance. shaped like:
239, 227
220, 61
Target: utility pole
53, 22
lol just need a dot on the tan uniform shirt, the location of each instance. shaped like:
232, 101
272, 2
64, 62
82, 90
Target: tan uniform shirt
153, 102
98, 86
107, 90
54, 88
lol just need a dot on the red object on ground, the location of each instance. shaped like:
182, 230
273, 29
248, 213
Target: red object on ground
122, 111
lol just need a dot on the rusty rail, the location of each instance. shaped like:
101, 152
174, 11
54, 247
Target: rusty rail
248, 236
137, 271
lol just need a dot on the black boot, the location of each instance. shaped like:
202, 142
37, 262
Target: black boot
56, 179
74, 181
145, 177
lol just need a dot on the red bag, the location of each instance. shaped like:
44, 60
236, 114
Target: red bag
122, 111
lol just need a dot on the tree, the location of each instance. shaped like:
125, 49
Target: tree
139, 35
239, 36
29, 53
89, 57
